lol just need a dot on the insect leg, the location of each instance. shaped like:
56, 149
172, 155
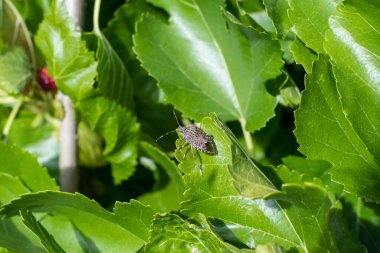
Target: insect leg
195, 160
181, 147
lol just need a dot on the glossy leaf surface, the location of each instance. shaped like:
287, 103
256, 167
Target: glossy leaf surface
310, 20
123, 230
325, 133
68, 60
207, 63
230, 190
353, 48
19, 163
165, 233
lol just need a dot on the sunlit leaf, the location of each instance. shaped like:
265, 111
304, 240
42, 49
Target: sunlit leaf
164, 237
310, 20
352, 46
46, 239
14, 236
325, 133
124, 230
227, 191
40, 140
19, 163
204, 63
68, 60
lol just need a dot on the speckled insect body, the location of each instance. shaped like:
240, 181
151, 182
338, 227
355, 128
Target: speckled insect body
197, 138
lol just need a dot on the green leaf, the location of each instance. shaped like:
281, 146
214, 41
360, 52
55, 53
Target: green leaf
310, 20
253, 14
14, 70
269, 248
40, 140
303, 55
74, 69
13, 31
118, 128
90, 147
227, 193
165, 231
69, 62
119, 33
14, 236
285, 90
286, 175
113, 78
231, 160
46, 239
10, 188
352, 46
32, 11
321, 114
278, 12
168, 197
226, 188
124, 230
66, 234
309, 217
14, 161
204, 63
306, 166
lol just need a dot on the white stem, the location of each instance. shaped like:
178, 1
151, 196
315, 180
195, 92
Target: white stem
68, 157
68, 147
247, 136
76, 11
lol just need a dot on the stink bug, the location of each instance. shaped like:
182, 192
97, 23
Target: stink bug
196, 138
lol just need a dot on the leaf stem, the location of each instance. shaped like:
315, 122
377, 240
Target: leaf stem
247, 136
12, 116
96, 17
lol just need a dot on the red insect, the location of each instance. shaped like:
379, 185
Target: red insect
46, 82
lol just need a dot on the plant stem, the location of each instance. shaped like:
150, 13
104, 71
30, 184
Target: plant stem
247, 136
12, 117
68, 131
96, 16
68, 147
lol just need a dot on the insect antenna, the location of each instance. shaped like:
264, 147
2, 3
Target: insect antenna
176, 119
165, 135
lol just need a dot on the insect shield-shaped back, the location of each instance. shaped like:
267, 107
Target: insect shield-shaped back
198, 139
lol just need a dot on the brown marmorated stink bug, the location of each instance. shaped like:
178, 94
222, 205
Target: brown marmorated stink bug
196, 138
